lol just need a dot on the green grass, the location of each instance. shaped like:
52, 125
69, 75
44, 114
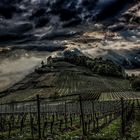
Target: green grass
135, 133
110, 132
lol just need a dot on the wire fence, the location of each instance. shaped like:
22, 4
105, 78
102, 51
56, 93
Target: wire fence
42, 116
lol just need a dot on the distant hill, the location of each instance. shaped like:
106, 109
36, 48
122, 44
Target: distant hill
63, 78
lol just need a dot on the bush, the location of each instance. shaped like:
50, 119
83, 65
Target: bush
136, 84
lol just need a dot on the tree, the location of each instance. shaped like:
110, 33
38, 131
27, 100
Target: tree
136, 84
42, 64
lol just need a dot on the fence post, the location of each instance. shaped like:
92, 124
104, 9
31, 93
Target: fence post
122, 117
66, 115
38, 116
82, 115
93, 115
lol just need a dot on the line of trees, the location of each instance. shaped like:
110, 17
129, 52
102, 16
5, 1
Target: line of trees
98, 65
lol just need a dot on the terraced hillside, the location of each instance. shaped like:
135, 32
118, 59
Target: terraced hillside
63, 79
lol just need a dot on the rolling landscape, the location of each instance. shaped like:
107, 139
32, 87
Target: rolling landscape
69, 69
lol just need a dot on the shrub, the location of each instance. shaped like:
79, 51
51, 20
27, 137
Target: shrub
136, 84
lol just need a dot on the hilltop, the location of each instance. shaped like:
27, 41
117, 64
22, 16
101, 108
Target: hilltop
61, 78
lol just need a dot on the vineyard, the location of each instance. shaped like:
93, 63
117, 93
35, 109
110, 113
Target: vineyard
91, 87
68, 117
70, 103
67, 79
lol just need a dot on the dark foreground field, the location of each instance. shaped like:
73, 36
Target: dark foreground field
70, 118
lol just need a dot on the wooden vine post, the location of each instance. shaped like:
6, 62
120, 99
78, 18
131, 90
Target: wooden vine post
66, 115
122, 117
93, 115
82, 115
38, 117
